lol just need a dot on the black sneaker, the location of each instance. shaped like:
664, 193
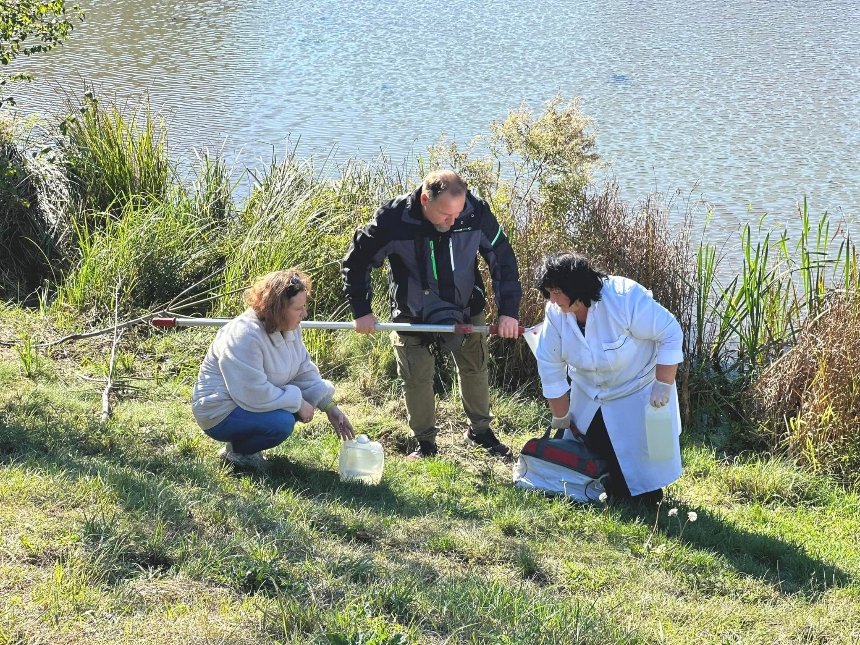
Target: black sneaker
425, 449
651, 498
490, 442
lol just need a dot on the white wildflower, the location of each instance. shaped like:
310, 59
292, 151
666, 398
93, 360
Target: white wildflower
692, 517
603, 497
673, 512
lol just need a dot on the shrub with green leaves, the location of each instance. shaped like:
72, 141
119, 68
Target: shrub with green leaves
30, 27
534, 172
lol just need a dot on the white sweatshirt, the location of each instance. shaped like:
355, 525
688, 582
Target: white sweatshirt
259, 372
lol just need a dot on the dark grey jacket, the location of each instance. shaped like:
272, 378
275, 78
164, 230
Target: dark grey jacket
400, 233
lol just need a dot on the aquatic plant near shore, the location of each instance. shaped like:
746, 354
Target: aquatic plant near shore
115, 155
196, 247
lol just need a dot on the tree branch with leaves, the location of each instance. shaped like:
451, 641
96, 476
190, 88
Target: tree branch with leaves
30, 27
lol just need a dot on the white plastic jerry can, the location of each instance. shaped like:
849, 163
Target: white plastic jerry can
659, 434
361, 459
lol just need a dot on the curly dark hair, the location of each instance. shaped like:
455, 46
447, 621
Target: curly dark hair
573, 274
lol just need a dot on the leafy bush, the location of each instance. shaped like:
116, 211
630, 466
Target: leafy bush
33, 224
533, 171
29, 27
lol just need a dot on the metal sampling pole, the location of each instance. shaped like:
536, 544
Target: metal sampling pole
168, 323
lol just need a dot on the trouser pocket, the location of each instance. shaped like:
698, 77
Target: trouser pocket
416, 367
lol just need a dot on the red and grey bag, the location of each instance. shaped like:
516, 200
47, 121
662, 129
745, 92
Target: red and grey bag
561, 467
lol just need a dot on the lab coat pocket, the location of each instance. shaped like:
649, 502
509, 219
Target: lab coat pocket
619, 352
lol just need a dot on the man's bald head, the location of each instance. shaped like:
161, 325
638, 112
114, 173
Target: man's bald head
441, 182
443, 196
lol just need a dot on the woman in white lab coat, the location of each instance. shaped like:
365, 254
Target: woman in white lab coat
606, 350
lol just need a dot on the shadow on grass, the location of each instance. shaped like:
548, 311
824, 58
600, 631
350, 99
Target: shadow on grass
142, 479
35, 431
782, 565
315, 483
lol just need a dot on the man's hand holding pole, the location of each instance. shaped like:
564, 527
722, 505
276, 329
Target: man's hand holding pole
508, 327
365, 324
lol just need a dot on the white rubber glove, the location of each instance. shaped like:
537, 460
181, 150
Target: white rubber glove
560, 423
660, 393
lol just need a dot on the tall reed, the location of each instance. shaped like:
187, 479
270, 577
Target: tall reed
757, 314
294, 217
154, 253
115, 155
773, 340
807, 399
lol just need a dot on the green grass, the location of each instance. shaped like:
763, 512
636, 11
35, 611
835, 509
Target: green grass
134, 532
116, 154
100, 218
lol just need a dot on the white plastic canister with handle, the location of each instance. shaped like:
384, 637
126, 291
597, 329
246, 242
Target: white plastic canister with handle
659, 432
361, 459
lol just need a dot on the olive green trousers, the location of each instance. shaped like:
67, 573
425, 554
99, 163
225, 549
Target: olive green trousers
416, 367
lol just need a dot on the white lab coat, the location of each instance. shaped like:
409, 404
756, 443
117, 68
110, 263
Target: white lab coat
612, 367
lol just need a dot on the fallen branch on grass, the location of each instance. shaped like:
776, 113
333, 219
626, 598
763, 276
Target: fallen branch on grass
117, 385
117, 334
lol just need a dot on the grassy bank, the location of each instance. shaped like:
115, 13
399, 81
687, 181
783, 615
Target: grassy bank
132, 531
96, 217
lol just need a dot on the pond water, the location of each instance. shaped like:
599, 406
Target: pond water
747, 105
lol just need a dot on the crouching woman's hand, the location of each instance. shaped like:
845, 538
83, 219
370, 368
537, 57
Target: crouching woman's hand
305, 413
342, 427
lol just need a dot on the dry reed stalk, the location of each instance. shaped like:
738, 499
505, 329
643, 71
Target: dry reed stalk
640, 243
809, 399
117, 334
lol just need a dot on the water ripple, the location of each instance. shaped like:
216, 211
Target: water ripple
744, 102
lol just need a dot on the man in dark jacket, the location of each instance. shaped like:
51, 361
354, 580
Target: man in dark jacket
432, 238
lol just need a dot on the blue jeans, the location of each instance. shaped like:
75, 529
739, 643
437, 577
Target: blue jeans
251, 432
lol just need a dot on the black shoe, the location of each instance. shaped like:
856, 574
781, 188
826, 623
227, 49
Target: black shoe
490, 442
651, 498
425, 449
613, 490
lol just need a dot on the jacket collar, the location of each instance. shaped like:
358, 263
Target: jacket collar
281, 338
413, 213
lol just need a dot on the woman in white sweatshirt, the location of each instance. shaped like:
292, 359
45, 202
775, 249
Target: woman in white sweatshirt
605, 351
258, 379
